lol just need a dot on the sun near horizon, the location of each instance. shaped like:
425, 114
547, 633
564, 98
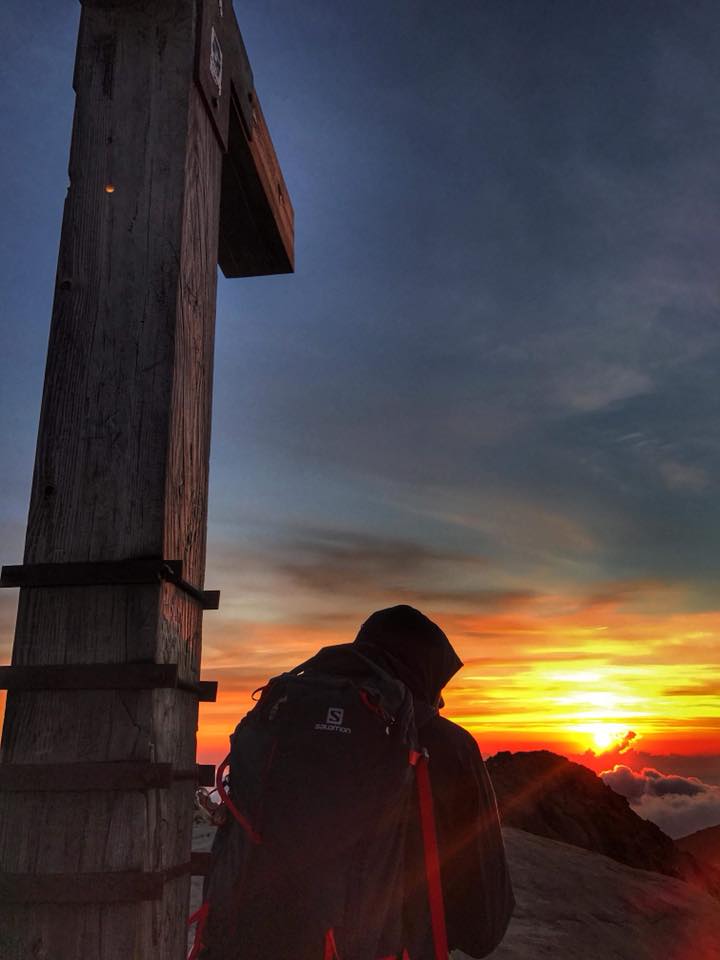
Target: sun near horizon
553, 673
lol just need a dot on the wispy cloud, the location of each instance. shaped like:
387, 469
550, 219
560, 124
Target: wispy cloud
684, 477
596, 386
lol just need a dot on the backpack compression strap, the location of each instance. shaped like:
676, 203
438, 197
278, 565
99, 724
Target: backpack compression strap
432, 860
225, 799
200, 918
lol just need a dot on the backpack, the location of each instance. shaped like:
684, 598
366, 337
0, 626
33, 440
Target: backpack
309, 862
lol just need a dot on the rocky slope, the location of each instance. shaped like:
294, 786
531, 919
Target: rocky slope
550, 796
576, 905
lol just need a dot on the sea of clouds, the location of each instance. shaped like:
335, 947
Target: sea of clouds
678, 804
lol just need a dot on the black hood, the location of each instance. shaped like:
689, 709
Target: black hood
412, 647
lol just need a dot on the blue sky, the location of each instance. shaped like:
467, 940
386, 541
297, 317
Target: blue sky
491, 385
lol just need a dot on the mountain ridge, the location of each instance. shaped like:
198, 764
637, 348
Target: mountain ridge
704, 845
548, 795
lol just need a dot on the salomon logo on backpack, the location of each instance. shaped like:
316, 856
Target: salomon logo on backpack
334, 721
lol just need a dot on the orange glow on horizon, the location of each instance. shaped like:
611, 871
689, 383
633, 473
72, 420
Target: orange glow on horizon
558, 676
550, 672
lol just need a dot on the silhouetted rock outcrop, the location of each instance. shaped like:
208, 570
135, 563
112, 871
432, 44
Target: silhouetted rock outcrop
549, 795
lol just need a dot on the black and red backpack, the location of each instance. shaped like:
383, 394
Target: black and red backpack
309, 863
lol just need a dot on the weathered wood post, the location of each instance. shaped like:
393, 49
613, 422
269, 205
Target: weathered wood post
171, 170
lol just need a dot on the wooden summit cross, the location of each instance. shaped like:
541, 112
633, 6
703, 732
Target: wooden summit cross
171, 171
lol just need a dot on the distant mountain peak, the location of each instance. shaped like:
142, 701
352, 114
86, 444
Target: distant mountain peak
546, 794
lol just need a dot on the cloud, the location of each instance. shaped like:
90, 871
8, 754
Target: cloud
509, 520
632, 591
335, 559
343, 566
677, 816
624, 744
677, 804
705, 688
651, 782
683, 477
595, 387
704, 767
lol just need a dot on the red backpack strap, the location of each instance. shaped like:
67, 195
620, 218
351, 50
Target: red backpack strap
330, 951
432, 858
200, 918
225, 799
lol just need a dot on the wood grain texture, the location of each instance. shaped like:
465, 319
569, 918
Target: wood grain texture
271, 177
100, 468
121, 471
185, 498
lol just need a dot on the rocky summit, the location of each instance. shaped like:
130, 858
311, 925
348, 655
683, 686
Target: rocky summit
548, 795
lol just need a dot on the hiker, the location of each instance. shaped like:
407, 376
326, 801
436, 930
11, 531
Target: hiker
476, 885
334, 850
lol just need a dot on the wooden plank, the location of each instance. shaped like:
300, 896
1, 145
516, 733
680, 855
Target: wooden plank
273, 182
256, 216
256, 221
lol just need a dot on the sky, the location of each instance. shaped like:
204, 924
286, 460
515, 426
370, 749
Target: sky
489, 390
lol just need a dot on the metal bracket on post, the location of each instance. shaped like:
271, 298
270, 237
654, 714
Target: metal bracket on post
104, 676
82, 777
131, 886
137, 570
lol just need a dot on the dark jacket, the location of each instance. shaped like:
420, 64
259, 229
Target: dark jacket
476, 883
308, 874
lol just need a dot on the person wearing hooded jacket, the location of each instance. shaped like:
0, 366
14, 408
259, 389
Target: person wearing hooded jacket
477, 890
255, 874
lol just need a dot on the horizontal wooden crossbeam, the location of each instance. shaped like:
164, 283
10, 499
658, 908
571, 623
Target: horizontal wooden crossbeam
256, 216
81, 777
103, 676
140, 570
